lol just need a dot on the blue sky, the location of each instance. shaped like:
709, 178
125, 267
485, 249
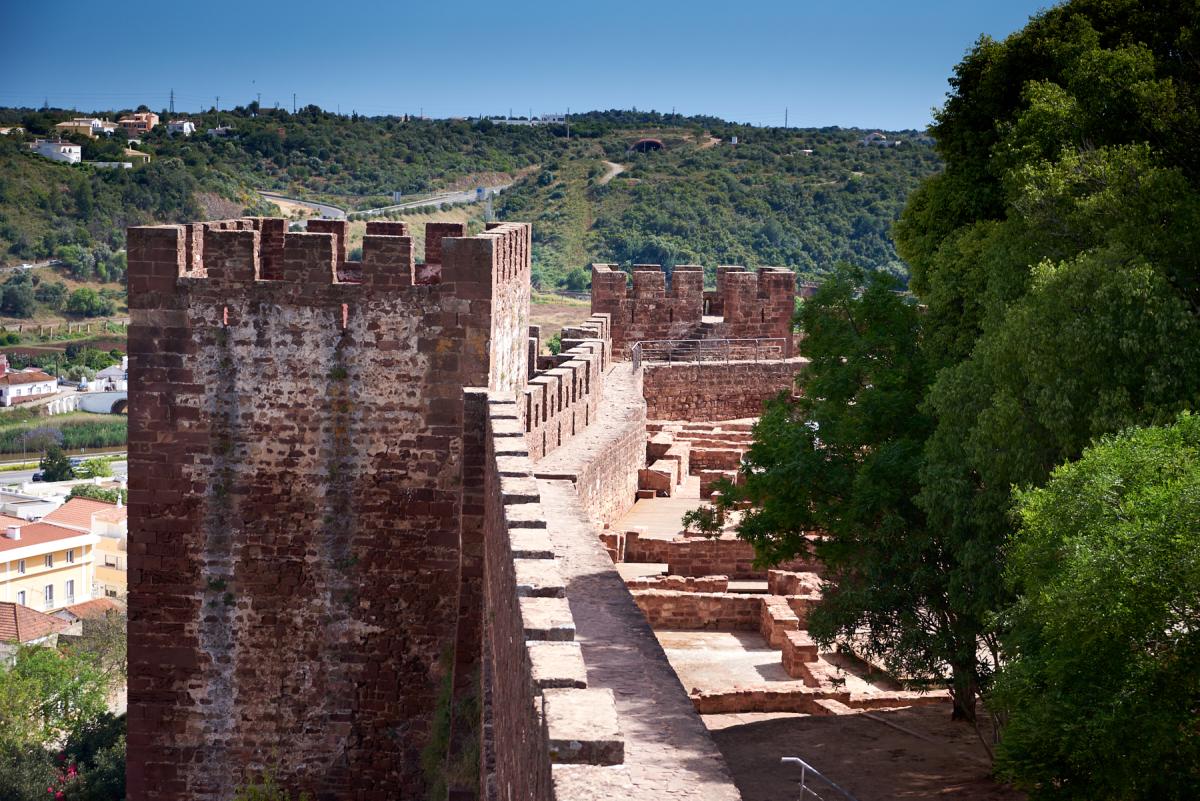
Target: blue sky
877, 63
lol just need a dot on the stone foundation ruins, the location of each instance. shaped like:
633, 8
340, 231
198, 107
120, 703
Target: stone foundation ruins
377, 540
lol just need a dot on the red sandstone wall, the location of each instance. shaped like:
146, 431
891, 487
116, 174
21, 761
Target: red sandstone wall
648, 309
699, 556
607, 485
754, 305
517, 745
713, 391
699, 611
296, 479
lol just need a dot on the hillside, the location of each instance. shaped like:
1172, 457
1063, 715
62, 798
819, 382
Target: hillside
702, 199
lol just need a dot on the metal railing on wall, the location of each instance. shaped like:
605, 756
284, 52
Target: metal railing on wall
807, 774
698, 351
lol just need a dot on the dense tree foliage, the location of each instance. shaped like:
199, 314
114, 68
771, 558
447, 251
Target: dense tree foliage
1055, 261
1055, 254
702, 200
1101, 684
46, 205
844, 460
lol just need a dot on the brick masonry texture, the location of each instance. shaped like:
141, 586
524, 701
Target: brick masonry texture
297, 561
699, 556
603, 460
561, 401
716, 391
752, 305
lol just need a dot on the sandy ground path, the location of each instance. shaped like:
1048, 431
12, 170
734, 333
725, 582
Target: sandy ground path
613, 170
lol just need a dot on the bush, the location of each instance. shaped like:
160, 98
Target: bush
99, 493
86, 302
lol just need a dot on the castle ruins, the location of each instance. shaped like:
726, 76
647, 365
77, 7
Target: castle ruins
384, 548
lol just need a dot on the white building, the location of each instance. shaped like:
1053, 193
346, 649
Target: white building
18, 386
185, 127
221, 130
59, 151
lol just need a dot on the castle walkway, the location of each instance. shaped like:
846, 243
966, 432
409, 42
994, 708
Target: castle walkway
668, 750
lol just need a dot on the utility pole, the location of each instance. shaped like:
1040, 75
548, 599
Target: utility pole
293, 102
568, 123
218, 106
785, 111
172, 101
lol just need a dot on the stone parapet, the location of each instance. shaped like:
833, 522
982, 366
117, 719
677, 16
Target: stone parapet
751, 305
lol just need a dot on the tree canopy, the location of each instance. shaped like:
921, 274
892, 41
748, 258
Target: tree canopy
1101, 685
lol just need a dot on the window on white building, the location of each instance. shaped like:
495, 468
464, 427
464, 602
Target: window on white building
21, 597
70, 591
110, 560
49, 560
20, 565
71, 556
49, 596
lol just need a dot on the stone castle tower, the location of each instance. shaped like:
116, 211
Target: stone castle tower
307, 565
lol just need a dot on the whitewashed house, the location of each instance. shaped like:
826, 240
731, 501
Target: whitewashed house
59, 151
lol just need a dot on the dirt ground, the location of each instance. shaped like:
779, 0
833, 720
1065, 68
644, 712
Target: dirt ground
876, 762
553, 316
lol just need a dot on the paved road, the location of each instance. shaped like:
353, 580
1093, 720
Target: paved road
465, 196
21, 476
324, 209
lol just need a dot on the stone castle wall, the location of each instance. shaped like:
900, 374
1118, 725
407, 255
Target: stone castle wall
746, 305
715, 390
300, 554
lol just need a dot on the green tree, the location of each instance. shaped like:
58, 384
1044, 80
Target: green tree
18, 296
52, 293
79, 260
1102, 690
55, 465
95, 468
47, 695
87, 302
844, 459
1054, 255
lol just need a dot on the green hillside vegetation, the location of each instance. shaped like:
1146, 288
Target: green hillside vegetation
702, 200
761, 202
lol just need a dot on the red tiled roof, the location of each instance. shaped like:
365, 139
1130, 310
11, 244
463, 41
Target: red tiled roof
77, 513
97, 607
18, 377
37, 534
22, 624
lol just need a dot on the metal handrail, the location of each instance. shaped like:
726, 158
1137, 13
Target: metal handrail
806, 769
696, 351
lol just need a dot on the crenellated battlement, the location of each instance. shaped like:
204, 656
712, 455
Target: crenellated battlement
646, 306
251, 250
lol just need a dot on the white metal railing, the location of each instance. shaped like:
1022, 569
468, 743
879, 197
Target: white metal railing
807, 771
696, 351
